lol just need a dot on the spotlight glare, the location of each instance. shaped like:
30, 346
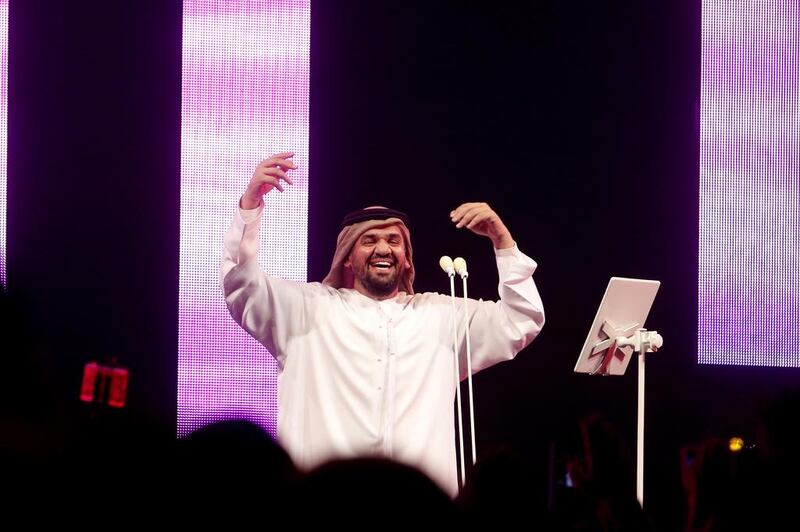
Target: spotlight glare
736, 444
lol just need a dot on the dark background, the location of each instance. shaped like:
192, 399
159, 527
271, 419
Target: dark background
577, 121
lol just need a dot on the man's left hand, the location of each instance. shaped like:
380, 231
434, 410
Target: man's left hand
482, 220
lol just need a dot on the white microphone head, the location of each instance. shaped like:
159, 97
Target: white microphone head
446, 263
461, 266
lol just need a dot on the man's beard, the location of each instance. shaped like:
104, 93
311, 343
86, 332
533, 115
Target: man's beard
379, 286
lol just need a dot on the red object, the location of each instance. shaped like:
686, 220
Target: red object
90, 373
104, 384
118, 390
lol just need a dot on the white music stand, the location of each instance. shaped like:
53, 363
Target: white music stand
616, 332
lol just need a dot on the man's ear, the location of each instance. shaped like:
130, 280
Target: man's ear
347, 263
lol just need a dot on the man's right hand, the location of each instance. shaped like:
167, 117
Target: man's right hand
267, 175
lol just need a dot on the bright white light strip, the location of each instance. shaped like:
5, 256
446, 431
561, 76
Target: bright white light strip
245, 96
749, 278
3, 136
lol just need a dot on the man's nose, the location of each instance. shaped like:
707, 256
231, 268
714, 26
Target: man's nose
382, 248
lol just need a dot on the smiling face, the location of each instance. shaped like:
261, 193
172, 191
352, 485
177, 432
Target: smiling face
378, 259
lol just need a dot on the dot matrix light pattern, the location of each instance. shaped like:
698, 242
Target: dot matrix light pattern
3, 135
245, 93
749, 269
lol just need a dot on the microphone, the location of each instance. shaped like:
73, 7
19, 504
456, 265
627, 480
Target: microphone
460, 266
446, 263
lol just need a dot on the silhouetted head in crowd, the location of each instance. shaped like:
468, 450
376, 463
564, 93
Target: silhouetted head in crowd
232, 465
602, 474
354, 491
503, 489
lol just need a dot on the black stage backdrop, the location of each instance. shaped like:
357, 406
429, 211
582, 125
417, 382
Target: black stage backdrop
577, 121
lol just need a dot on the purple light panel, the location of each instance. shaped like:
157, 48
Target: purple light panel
3, 135
245, 96
749, 278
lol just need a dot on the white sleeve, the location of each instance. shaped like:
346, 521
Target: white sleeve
270, 309
501, 329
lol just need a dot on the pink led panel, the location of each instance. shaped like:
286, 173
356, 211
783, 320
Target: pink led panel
244, 97
3, 135
749, 278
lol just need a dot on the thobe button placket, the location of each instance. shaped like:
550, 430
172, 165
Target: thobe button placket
390, 390
385, 343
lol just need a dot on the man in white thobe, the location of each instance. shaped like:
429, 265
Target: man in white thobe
366, 365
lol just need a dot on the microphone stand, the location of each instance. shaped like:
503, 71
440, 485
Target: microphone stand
461, 267
447, 265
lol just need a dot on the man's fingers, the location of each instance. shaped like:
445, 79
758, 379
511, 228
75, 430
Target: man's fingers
467, 218
460, 215
482, 220
284, 163
267, 181
277, 172
268, 175
459, 212
282, 155
275, 182
279, 159
468, 214
479, 218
